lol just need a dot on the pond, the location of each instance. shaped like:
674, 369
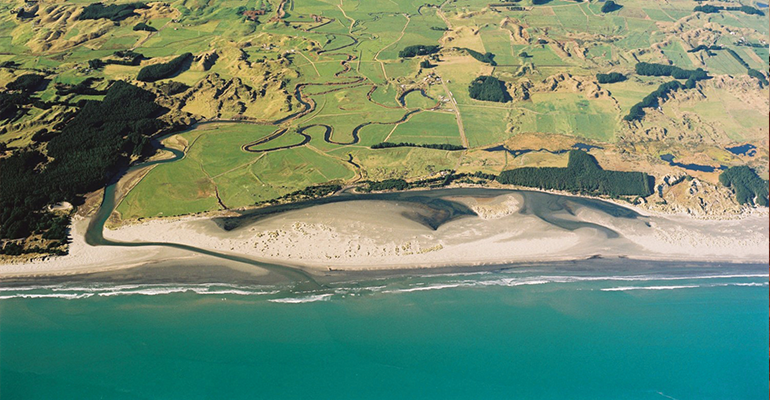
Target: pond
743, 150
692, 167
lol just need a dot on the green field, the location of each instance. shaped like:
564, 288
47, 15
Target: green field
342, 58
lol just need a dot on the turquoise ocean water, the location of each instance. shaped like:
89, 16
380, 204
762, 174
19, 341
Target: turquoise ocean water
537, 332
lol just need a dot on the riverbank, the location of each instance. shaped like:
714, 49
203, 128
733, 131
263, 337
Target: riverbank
403, 233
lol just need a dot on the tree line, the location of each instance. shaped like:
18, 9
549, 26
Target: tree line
582, 175
709, 9
661, 93
442, 146
437, 182
750, 71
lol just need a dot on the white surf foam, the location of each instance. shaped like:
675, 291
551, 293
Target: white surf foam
626, 288
308, 299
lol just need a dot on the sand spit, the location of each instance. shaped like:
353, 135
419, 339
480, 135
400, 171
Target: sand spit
377, 234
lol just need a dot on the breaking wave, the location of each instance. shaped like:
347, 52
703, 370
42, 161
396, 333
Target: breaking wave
412, 284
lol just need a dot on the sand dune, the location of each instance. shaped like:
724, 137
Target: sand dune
375, 234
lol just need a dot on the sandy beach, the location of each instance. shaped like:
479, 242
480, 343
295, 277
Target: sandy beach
378, 235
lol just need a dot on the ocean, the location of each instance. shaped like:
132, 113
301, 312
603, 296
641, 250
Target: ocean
583, 330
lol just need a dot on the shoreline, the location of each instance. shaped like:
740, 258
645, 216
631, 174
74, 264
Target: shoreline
342, 237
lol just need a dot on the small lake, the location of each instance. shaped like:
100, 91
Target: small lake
669, 158
744, 150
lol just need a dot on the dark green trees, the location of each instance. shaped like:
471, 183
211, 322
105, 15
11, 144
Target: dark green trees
612, 77
487, 58
709, 9
758, 75
610, 6
27, 83
88, 152
438, 146
582, 175
748, 186
144, 27
418, 50
114, 12
648, 69
489, 88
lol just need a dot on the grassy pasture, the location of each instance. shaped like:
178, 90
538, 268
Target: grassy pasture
427, 128
484, 124
215, 163
678, 55
498, 42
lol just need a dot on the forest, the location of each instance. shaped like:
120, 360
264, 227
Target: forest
113, 12
489, 88
155, 72
582, 175
749, 188
91, 149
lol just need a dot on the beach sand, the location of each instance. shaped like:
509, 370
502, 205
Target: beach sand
376, 235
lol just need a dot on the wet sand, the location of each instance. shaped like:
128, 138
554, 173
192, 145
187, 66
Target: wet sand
502, 227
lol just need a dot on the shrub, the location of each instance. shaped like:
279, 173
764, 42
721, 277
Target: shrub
758, 75
144, 27
612, 77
